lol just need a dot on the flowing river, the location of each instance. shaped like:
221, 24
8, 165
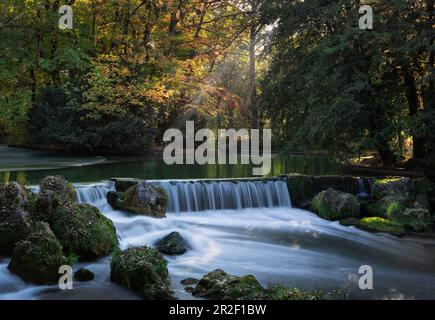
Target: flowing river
250, 228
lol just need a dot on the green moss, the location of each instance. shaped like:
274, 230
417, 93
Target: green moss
279, 292
415, 219
64, 190
38, 258
143, 198
387, 180
13, 228
380, 208
377, 224
399, 187
348, 222
84, 231
142, 270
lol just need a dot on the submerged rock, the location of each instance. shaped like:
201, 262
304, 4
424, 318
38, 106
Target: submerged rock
219, 285
377, 224
189, 281
143, 198
142, 270
37, 259
83, 275
334, 205
348, 222
172, 244
278, 292
84, 231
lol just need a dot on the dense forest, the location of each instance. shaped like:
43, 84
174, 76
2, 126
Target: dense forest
130, 69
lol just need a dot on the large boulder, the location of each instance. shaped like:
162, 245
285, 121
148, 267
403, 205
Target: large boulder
400, 187
335, 205
15, 222
143, 198
13, 228
13, 197
381, 225
380, 207
61, 187
37, 259
123, 184
142, 270
84, 231
219, 285
173, 244
54, 192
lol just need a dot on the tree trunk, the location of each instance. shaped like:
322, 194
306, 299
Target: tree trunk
252, 69
94, 25
413, 106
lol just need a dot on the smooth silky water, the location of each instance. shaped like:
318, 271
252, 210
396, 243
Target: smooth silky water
250, 228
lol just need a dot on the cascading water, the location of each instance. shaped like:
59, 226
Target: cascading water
257, 233
95, 194
196, 196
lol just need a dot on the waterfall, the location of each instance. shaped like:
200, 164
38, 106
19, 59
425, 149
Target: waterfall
95, 194
195, 196
364, 185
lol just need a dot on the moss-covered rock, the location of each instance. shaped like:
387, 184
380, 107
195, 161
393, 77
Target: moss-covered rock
62, 188
13, 228
143, 198
37, 259
380, 207
84, 231
348, 222
189, 282
142, 270
219, 285
397, 187
335, 205
173, 244
123, 184
414, 219
378, 224
83, 275
54, 192
15, 222
13, 197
